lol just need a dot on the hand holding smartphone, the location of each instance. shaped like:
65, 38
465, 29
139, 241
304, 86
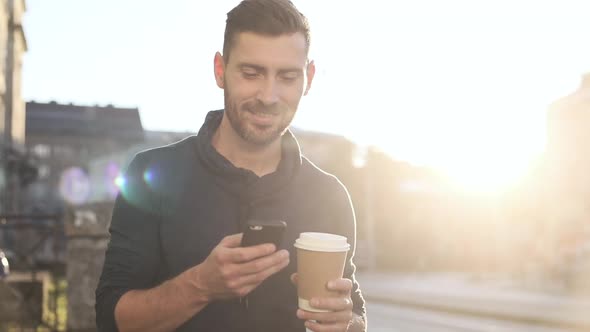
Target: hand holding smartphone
263, 231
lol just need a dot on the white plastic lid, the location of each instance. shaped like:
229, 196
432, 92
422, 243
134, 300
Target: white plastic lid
322, 242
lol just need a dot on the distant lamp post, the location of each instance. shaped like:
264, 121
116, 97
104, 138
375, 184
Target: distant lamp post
2, 179
4, 267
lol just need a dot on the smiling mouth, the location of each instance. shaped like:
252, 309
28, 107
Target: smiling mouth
263, 113
262, 118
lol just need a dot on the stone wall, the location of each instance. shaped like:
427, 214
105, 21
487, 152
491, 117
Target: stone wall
87, 234
21, 297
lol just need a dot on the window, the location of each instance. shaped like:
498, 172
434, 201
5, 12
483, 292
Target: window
42, 150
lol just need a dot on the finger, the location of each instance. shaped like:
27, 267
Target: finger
254, 279
332, 303
325, 317
246, 254
263, 263
341, 285
294, 278
317, 326
232, 241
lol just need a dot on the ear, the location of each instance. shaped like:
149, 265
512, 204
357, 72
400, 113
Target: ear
219, 69
310, 75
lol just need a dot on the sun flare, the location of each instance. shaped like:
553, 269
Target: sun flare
487, 176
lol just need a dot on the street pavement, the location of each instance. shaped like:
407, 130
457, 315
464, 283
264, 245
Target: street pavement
386, 317
492, 299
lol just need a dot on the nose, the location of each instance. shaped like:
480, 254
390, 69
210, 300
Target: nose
268, 93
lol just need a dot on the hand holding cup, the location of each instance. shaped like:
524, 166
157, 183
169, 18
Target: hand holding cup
336, 312
324, 295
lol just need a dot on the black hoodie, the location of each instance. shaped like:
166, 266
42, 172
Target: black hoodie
179, 201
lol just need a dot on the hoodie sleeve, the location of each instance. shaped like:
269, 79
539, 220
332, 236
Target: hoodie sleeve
133, 252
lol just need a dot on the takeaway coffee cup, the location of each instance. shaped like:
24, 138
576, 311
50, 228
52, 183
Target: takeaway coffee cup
320, 258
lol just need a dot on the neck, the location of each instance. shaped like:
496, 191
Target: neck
261, 160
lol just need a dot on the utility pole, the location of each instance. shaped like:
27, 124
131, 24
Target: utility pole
11, 192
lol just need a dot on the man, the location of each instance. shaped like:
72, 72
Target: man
174, 261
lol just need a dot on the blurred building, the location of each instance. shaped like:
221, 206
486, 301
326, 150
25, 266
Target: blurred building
551, 210
13, 45
566, 176
566, 179
568, 146
64, 138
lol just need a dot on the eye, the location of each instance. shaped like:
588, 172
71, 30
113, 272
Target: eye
289, 77
249, 75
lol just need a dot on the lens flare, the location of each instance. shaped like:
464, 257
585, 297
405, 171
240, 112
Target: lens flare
148, 176
120, 182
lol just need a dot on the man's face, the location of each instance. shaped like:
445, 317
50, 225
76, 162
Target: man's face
263, 82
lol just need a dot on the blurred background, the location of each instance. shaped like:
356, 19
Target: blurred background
461, 129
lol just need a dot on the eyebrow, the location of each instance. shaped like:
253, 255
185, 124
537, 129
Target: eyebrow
258, 68
262, 69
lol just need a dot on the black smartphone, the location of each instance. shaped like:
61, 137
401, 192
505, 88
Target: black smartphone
263, 231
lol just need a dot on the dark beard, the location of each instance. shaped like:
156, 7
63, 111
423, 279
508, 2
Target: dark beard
258, 138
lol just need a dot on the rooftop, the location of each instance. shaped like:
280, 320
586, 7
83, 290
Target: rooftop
83, 121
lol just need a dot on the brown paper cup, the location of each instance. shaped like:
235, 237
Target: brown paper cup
320, 258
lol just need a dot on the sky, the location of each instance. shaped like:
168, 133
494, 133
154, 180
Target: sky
459, 85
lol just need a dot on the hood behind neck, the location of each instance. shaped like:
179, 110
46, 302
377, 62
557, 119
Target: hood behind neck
239, 180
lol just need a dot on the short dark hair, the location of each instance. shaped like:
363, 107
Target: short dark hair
265, 17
